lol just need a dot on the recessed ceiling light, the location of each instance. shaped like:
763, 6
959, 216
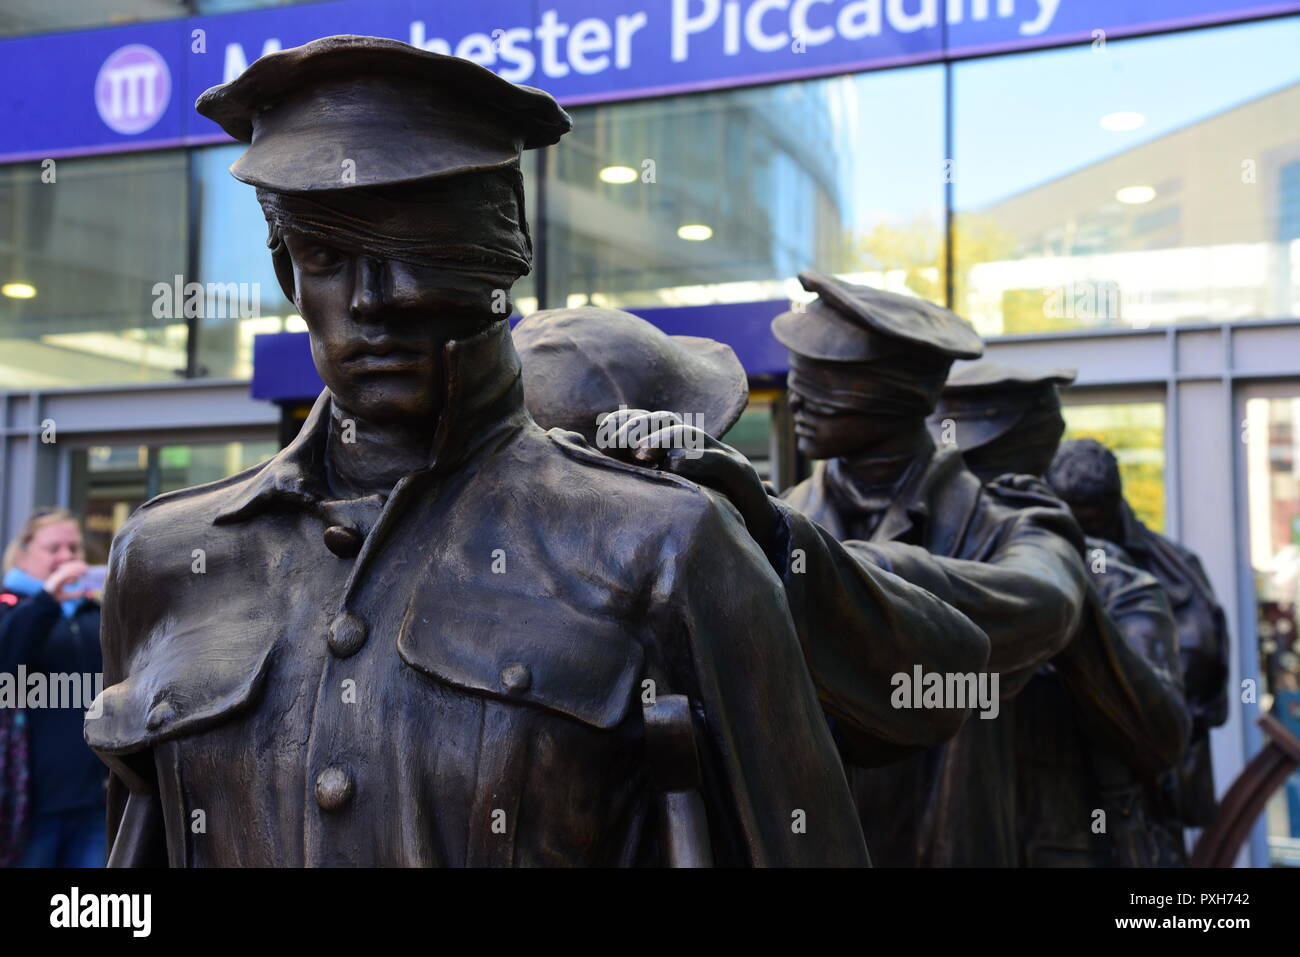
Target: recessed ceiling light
696, 232
18, 290
1123, 121
618, 174
1135, 195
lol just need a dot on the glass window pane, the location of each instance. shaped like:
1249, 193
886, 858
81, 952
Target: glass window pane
1144, 182
1135, 432
23, 17
108, 482
79, 259
1272, 441
752, 436
181, 466
233, 254
724, 197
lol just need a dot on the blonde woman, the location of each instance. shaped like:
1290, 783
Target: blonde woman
48, 627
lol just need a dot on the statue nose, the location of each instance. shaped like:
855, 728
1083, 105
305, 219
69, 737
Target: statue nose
367, 289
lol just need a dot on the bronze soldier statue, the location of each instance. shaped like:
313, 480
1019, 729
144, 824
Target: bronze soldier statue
1097, 727
866, 369
427, 632
858, 624
1086, 475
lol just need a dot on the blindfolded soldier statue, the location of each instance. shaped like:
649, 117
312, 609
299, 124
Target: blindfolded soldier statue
1097, 727
1086, 474
866, 368
427, 632
859, 626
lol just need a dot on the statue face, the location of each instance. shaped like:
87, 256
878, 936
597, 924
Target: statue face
378, 326
833, 414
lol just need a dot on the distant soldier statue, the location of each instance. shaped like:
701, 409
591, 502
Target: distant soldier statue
1086, 475
1103, 721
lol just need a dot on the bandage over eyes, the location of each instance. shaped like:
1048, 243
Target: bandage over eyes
891, 387
472, 224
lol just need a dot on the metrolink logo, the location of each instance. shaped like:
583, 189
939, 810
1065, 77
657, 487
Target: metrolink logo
132, 89
949, 690
55, 690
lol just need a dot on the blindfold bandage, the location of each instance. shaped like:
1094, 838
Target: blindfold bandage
473, 224
1023, 441
890, 387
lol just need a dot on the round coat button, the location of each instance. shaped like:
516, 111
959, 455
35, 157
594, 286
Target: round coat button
516, 678
347, 635
334, 789
343, 541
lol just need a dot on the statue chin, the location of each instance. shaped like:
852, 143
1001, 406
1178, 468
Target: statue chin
388, 404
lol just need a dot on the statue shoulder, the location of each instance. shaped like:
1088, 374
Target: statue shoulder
1023, 491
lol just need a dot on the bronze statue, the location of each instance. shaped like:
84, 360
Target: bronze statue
866, 369
1097, 727
427, 632
859, 625
1086, 475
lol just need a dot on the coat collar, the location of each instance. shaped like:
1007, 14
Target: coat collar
933, 507
484, 396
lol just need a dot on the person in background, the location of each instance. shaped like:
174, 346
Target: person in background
51, 628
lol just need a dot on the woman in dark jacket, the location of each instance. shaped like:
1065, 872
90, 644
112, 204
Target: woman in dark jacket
49, 629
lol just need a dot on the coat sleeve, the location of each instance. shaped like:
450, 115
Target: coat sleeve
131, 785
1122, 673
859, 626
24, 629
1026, 592
774, 788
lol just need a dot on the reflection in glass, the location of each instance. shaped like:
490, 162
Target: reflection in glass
1135, 432
1141, 183
724, 197
1272, 440
108, 482
85, 251
26, 17
752, 436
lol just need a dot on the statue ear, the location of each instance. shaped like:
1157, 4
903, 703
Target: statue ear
284, 270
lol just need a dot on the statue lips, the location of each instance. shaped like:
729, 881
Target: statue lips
385, 355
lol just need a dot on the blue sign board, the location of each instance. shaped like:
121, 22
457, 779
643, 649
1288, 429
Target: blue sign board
283, 369
133, 87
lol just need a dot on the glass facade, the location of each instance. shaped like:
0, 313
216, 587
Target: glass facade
108, 482
1135, 432
84, 243
1158, 191
724, 197
1134, 184
1271, 438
